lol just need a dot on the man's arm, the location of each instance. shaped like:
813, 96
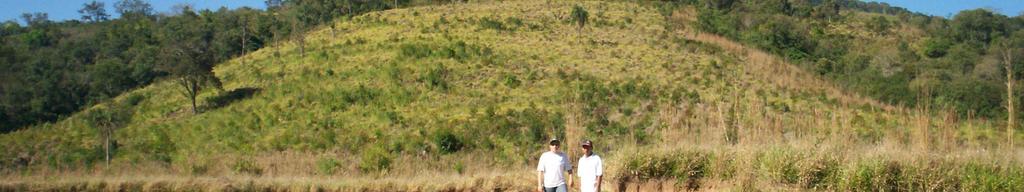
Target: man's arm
570, 178
568, 168
599, 172
540, 181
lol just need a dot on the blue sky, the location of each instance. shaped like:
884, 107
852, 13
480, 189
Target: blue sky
948, 8
68, 9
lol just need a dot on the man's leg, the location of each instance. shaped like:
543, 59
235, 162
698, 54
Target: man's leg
550, 189
562, 188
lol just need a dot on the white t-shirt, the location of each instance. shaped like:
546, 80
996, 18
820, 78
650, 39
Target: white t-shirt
552, 165
589, 168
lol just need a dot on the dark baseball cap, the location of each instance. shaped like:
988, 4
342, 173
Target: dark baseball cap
554, 142
587, 143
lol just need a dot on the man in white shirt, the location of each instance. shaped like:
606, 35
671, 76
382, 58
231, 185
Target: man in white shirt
590, 169
550, 168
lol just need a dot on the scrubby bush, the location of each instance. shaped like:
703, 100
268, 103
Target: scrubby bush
134, 99
981, 177
579, 17
491, 23
821, 173
511, 81
447, 142
694, 166
414, 50
247, 166
375, 159
779, 164
645, 167
687, 167
436, 77
717, 22
875, 175
879, 25
327, 165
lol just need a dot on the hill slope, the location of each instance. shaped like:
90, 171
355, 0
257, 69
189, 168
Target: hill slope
471, 91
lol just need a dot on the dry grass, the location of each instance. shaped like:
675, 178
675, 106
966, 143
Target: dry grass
423, 182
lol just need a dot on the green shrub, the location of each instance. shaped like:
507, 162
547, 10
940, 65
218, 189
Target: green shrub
645, 167
459, 167
892, 177
981, 177
134, 99
375, 159
717, 22
440, 22
514, 22
879, 25
436, 77
579, 16
197, 168
878, 176
860, 177
327, 165
935, 47
247, 166
820, 173
415, 50
490, 23
693, 167
360, 95
447, 142
779, 164
511, 81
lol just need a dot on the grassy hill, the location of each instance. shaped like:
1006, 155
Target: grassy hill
393, 100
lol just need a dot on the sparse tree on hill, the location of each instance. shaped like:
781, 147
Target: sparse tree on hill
133, 7
107, 120
187, 56
35, 19
579, 16
1007, 53
94, 12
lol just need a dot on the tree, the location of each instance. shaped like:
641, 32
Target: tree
128, 8
273, 4
579, 16
827, 10
93, 12
1007, 51
879, 24
186, 56
978, 25
775, 6
107, 120
718, 4
109, 77
35, 19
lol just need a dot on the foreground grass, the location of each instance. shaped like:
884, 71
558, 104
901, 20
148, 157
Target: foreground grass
502, 182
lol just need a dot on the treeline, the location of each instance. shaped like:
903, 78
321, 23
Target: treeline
905, 58
52, 69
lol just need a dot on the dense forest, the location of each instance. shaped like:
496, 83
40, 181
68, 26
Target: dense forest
906, 58
52, 69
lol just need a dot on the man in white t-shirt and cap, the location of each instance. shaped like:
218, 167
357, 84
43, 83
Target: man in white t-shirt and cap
590, 168
550, 167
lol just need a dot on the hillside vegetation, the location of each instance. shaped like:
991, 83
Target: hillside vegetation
469, 92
